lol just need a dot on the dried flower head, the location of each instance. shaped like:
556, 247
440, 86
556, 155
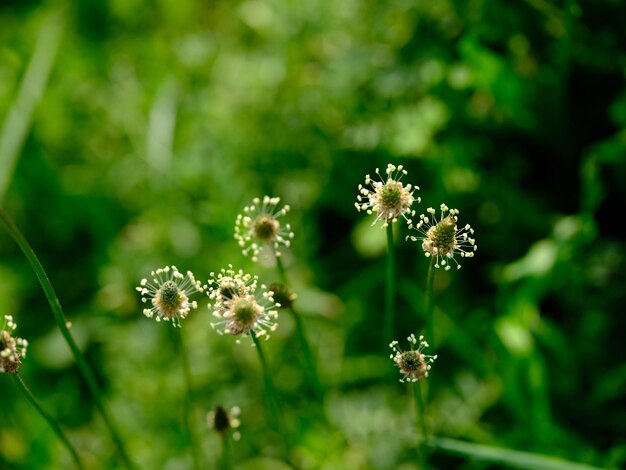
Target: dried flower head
389, 198
239, 307
169, 294
12, 349
259, 226
283, 295
224, 421
443, 239
413, 364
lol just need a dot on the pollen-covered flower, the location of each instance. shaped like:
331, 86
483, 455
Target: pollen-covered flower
443, 239
238, 306
259, 226
413, 364
388, 199
12, 349
224, 421
169, 294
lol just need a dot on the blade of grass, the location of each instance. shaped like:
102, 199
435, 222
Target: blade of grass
49, 419
20, 115
507, 457
59, 317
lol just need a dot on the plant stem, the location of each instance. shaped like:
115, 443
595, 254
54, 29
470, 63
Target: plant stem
280, 267
309, 366
430, 320
270, 395
49, 419
226, 462
195, 451
388, 321
421, 423
62, 323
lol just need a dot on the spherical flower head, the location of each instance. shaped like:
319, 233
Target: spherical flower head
225, 421
388, 198
241, 309
168, 294
443, 239
259, 227
413, 364
12, 349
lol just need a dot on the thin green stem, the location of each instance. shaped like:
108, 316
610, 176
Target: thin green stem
430, 320
388, 321
309, 366
421, 424
62, 323
226, 457
270, 394
49, 419
195, 450
280, 267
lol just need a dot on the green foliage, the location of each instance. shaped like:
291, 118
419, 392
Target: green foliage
133, 132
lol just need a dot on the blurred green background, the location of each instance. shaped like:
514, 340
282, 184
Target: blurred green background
133, 132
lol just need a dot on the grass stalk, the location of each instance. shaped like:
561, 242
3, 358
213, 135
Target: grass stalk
49, 419
59, 317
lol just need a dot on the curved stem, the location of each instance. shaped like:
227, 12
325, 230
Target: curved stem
388, 321
49, 419
59, 317
195, 450
430, 281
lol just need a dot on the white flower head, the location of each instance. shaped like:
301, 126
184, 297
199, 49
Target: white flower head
169, 293
12, 349
413, 364
239, 307
442, 239
259, 227
388, 198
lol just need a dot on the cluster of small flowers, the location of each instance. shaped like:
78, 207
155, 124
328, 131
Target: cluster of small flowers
389, 199
441, 239
237, 301
238, 306
12, 349
413, 364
